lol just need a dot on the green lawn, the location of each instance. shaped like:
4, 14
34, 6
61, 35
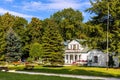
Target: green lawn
90, 71
15, 76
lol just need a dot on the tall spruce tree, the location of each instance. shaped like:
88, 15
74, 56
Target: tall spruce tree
7, 20
13, 47
100, 9
52, 44
34, 30
2, 43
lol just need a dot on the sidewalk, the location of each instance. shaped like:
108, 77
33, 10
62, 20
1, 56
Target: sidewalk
65, 75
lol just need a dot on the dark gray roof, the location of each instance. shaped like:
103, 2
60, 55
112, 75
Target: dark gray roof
85, 50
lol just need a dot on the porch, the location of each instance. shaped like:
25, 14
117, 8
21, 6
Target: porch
72, 58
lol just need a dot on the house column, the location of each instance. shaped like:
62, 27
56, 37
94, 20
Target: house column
65, 59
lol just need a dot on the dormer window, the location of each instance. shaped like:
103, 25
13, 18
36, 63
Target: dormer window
74, 47
78, 46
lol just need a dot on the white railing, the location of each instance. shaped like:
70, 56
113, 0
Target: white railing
72, 50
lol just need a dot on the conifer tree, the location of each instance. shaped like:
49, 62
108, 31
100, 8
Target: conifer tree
13, 47
52, 44
34, 30
7, 20
100, 20
2, 43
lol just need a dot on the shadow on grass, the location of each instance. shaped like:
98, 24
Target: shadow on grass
74, 72
17, 76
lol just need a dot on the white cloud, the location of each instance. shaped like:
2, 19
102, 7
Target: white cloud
2, 11
54, 5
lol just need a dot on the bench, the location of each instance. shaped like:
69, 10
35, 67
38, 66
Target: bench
3, 68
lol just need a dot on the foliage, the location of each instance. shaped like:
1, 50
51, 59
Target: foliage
30, 59
13, 47
69, 23
34, 29
36, 51
61, 26
96, 37
32, 34
52, 44
7, 21
100, 9
2, 41
19, 28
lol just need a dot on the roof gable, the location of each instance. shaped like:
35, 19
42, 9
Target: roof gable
74, 42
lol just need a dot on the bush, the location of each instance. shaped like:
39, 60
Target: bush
2, 63
30, 59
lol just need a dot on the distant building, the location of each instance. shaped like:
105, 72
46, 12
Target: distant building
96, 58
75, 53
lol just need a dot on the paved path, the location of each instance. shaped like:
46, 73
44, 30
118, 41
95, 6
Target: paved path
65, 75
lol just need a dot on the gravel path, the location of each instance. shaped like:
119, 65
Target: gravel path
65, 75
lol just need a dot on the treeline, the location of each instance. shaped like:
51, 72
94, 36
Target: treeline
43, 39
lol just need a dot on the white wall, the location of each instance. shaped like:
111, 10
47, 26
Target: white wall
102, 58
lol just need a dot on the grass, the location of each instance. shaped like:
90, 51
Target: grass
90, 71
15, 76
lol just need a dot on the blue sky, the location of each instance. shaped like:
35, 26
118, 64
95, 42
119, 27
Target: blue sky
42, 8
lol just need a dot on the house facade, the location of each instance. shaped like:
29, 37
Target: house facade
75, 53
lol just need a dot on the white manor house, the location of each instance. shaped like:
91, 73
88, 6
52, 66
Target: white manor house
76, 53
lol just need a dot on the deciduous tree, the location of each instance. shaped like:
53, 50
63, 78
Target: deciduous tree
69, 22
36, 51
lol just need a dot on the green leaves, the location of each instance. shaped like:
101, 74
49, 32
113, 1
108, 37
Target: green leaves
36, 51
69, 23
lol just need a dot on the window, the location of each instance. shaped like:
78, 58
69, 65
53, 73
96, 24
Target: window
95, 59
74, 47
78, 46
